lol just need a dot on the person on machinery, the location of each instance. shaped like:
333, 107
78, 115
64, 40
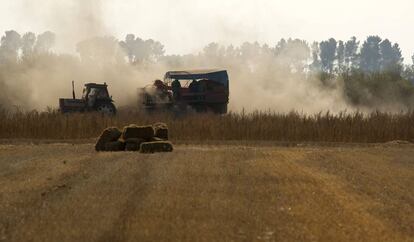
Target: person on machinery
176, 88
162, 90
193, 86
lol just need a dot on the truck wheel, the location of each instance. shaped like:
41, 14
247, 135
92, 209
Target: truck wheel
107, 109
220, 108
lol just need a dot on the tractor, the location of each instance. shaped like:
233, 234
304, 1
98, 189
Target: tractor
199, 90
95, 98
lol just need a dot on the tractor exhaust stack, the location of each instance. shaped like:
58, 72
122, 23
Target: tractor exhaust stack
73, 90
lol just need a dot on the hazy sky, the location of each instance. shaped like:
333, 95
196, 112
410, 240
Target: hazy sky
185, 26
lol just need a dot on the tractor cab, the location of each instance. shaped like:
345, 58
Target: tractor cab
95, 93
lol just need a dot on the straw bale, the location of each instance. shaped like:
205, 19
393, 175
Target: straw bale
155, 139
115, 146
133, 144
137, 132
158, 146
161, 130
108, 135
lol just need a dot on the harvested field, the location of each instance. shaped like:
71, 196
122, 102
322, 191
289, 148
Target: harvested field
226, 192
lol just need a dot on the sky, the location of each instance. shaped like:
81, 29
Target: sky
185, 26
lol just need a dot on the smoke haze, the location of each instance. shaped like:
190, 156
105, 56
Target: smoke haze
72, 21
184, 26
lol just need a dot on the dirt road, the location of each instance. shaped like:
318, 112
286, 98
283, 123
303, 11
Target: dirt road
63, 192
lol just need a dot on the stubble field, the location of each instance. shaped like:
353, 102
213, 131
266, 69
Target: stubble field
207, 192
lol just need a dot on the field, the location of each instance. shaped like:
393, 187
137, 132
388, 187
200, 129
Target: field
217, 191
268, 126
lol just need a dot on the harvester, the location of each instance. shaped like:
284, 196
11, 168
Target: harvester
95, 98
199, 90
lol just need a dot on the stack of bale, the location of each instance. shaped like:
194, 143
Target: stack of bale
146, 139
109, 140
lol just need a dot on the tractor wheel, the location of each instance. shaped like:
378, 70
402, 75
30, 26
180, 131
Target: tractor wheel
107, 109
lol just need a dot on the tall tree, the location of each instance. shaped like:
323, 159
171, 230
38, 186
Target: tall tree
316, 63
340, 56
232, 52
409, 71
351, 53
391, 57
138, 50
328, 54
250, 50
371, 54
28, 42
280, 47
10, 44
45, 42
129, 45
294, 53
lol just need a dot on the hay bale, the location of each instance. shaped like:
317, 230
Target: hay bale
137, 132
161, 130
108, 135
156, 139
159, 146
115, 146
133, 144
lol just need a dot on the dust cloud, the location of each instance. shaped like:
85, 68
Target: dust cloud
72, 21
85, 52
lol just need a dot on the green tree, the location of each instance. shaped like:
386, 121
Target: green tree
409, 71
249, 50
10, 45
138, 50
28, 42
316, 62
45, 42
340, 56
157, 49
351, 53
391, 57
280, 47
129, 45
328, 54
294, 53
370, 60
232, 52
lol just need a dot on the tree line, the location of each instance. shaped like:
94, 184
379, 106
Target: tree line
371, 71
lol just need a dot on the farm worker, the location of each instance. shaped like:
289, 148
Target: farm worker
176, 88
202, 85
158, 84
193, 86
161, 89
92, 97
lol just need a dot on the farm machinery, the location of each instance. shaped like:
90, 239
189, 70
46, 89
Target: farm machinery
199, 90
95, 98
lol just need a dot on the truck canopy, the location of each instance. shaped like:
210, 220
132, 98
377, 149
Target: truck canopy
217, 75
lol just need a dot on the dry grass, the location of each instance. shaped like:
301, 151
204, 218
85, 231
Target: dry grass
290, 127
207, 193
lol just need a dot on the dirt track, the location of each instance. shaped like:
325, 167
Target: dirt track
63, 192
